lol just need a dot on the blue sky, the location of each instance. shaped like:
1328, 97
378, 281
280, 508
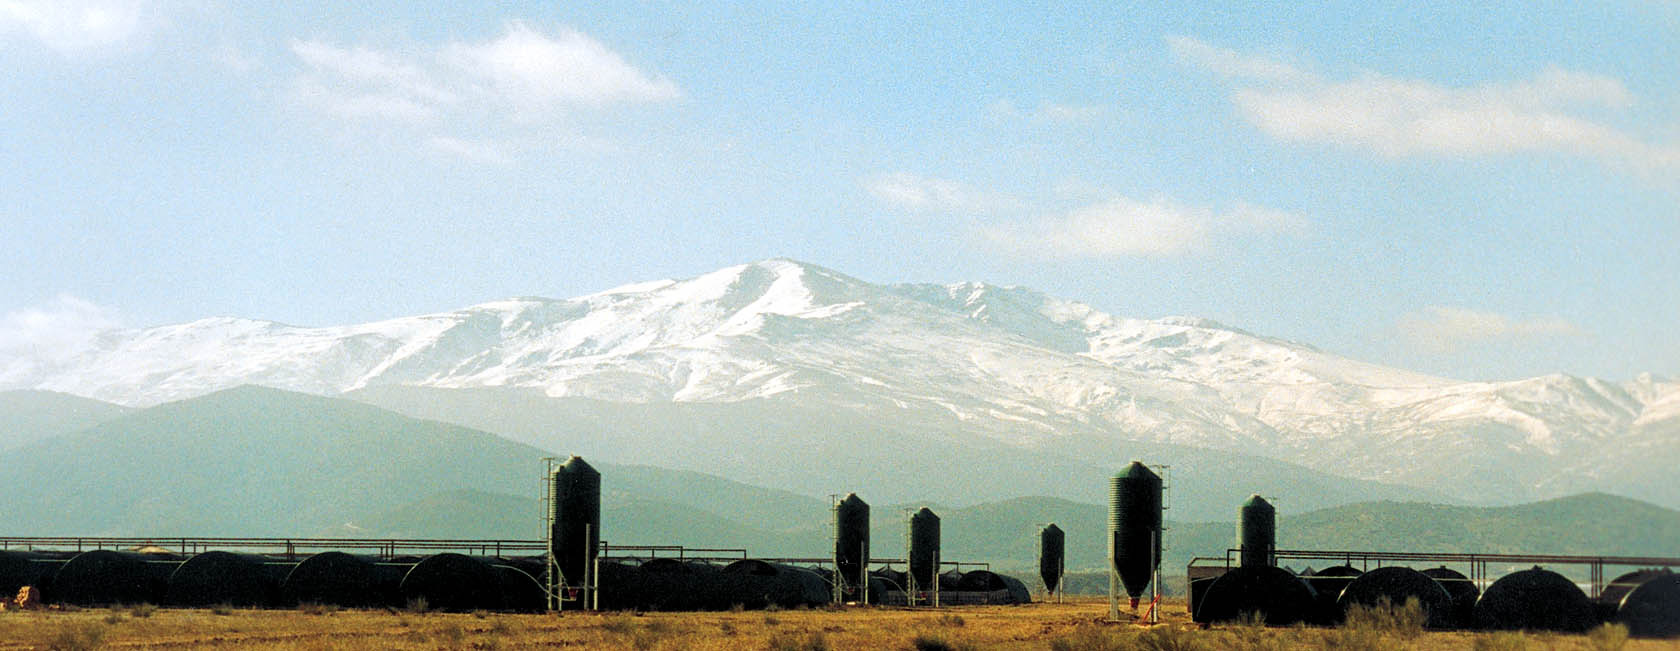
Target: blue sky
1476, 190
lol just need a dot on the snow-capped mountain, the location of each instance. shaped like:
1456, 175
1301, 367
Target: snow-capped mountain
1014, 366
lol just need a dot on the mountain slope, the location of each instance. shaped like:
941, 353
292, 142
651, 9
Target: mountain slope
888, 455
1025, 374
29, 416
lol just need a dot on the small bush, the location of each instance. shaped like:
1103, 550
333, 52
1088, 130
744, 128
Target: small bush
309, 608
417, 606
452, 635
949, 619
77, 637
1170, 638
619, 625
1090, 638
1504, 641
813, 641
935, 643
142, 610
1609, 636
1406, 620
221, 609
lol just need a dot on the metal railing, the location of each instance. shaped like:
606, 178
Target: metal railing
1476, 562
290, 548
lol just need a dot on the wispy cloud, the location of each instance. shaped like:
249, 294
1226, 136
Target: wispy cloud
55, 330
74, 26
1399, 117
1440, 328
927, 194
523, 76
1125, 227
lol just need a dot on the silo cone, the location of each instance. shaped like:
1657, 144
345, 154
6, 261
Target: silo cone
1051, 548
1134, 524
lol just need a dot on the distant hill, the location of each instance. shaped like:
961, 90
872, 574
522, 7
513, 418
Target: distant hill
903, 455
254, 461
30, 416
263, 462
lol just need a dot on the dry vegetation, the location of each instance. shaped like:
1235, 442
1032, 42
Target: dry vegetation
1074, 626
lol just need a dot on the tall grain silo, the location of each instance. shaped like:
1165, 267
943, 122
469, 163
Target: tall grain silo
575, 526
851, 549
1051, 557
1134, 527
1257, 532
923, 557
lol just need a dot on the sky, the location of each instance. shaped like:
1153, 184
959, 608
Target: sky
1485, 191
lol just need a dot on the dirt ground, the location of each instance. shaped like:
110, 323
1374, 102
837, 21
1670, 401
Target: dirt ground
1077, 625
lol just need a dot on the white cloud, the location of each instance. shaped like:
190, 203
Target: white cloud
1125, 227
523, 76
1405, 117
54, 330
72, 26
1440, 328
917, 193
535, 73
1233, 64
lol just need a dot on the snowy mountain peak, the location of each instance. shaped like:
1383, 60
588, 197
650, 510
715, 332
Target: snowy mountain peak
1012, 364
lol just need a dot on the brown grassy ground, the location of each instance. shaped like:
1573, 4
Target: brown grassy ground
1075, 626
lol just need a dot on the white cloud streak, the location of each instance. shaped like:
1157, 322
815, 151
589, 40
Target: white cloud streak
1126, 227
926, 194
1397, 117
1444, 329
74, 26
524, 76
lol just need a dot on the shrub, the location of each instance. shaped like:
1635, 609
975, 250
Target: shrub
949, 619
1609, 636
309, 608
1406, 620
417, 606
1504, 641
221, 609
77, 637
1089, 638
142, 610
813, 641
1169, 638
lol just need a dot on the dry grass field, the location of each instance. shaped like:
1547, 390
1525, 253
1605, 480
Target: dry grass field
1074, 626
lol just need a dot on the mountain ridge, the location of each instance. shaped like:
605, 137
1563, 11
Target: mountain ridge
1013, 366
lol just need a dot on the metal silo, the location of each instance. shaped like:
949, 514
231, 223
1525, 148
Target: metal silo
851, 549
575, 527
1257, 531
1051, 556
1134, 527
923, 557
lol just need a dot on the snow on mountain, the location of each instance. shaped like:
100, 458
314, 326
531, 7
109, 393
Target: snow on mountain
1019, 366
